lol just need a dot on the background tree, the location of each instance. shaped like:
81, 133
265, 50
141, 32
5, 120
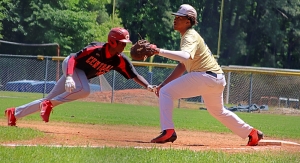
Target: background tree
254, 32
3, 10
70, 23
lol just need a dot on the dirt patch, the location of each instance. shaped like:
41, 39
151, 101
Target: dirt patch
67, 134
128, 96
136, 97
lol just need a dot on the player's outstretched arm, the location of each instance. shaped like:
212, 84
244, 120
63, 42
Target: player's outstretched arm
143, 82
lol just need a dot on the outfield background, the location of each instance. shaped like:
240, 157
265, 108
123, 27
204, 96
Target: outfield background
109, 126
245, 85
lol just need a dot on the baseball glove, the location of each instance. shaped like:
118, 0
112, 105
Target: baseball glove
141, 50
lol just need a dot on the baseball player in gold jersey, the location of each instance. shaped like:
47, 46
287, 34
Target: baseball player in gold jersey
204, 77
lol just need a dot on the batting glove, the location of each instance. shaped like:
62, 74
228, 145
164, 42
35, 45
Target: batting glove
151, 88
70, 84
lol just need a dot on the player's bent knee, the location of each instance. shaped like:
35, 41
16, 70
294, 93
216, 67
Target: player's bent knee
216, 112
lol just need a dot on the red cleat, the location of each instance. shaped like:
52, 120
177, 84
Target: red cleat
254, 137
168, 135
46, 108
10, 114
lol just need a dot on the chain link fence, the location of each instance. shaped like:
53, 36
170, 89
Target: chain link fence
262, 86
245, 85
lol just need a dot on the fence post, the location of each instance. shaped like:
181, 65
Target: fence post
228, 88
45, 78
113, 87
250, 91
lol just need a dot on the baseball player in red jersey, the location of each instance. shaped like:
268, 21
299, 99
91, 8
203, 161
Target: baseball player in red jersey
204, 77
95, 59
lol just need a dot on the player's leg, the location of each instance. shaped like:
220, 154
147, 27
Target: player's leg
41, 104
188, 85
55, 97
82, 89
213, 100
21, 111
58, 95
44, 104
214, 103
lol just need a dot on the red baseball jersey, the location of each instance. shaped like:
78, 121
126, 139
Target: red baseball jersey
94, 61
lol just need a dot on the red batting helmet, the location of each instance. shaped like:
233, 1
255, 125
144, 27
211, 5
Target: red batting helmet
118, 34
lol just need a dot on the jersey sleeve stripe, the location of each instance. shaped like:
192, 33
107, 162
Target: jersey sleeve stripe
86, 51
70, 67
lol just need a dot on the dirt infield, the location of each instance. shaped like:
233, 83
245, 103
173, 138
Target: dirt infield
69, 134
128, 96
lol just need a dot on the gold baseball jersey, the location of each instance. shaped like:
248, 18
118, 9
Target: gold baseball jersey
201, 59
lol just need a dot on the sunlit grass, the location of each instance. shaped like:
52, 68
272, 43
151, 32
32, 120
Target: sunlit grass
280, 126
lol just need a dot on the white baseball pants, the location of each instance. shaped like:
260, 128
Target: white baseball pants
211, 89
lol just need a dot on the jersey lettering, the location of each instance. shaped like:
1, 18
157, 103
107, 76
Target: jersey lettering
93, 61
96, 64
100, 67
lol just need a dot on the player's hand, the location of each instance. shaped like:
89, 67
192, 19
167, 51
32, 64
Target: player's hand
157, 89
151, 88
69, 84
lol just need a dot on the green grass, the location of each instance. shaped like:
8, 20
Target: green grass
14, 133
8, 94
131, 155
278, 126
